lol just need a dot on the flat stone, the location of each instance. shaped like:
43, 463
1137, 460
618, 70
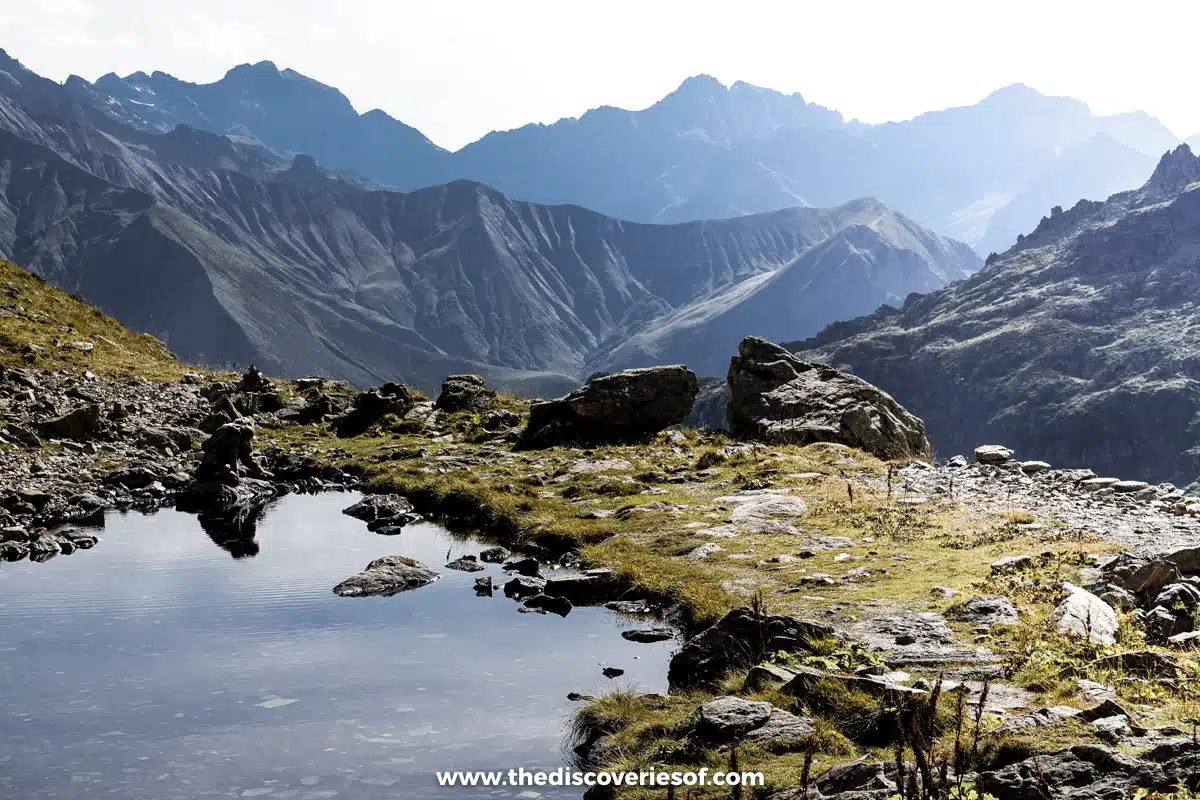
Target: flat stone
1125, 487
649, 635
992, 454
387, 576
1095, 484
1034, 467
1186, 641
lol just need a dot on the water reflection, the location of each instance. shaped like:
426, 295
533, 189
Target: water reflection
155, 666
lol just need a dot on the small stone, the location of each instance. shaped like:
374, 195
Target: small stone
494, 555
612, 672
465, 564
704, 551
1034, 467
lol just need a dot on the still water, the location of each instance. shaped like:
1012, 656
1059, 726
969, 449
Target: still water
158, 666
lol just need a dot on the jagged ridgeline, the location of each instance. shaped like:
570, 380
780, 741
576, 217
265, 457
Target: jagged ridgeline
1078, 345
45, 327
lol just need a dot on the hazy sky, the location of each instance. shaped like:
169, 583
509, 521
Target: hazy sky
458, 68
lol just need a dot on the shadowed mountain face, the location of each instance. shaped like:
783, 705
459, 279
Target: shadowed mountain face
1078, 346
980, 173
230, 254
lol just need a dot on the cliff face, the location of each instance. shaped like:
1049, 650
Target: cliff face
1079, 345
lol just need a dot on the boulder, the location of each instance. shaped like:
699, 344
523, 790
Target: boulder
992, 454
781, 729
464, 393
544, 602
375, 507
624, 407
524, 586
1084, 614
385, 577
81, 424
763, 676
494, 555
372, 405
740, 639
590, 588
727, 719
1150, 576
1178, 595
777, 398
1084, 772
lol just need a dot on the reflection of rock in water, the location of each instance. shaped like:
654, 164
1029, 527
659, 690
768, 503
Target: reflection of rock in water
229, 514
233, 529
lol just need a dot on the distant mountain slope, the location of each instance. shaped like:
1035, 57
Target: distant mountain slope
870, 256
228, 255
1078, 346
979, 173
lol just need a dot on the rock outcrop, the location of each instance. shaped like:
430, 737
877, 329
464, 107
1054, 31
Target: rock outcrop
779, 399
464, 393
373, 405
624, 407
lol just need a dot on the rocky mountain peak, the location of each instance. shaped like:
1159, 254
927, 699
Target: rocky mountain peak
1176, 170
262, 69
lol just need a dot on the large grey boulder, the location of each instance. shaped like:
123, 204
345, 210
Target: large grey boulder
624, 407
1084, 614
385, 577
777, 398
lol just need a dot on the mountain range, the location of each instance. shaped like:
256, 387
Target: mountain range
231, 254
1079, 345
980, 173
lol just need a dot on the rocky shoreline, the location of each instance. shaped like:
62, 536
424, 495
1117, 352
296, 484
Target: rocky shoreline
77, 444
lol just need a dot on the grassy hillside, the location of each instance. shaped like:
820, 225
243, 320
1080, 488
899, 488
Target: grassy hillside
46, 328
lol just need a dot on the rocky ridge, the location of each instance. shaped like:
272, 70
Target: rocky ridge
1076, 346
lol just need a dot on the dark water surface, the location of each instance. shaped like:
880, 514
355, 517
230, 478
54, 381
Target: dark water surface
157, 666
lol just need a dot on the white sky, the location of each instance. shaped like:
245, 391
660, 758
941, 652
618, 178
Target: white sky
457, 69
